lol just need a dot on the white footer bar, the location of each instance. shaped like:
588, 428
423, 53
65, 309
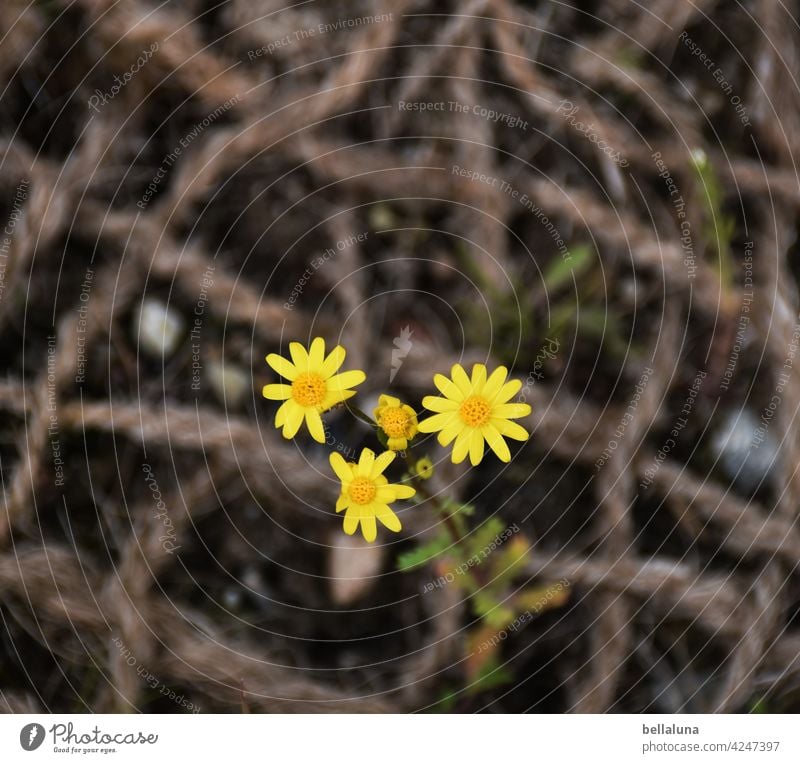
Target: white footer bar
399, 738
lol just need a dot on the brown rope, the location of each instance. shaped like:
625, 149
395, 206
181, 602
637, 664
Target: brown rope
307, 143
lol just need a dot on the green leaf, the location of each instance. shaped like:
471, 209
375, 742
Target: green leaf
382, 438
455, 508
508, 562
458, 512
484, 605
558, 273
629, 58
491, 675
467, 509
483, 537
446, 702
423, 553
499, 616
541, 598
561, 317
718, 228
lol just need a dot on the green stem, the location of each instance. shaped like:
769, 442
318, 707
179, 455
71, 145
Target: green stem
455, 528
359, 414
452, 526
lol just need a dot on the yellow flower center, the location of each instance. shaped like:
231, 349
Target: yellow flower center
362, 490
475, 411
394, 421
309, 389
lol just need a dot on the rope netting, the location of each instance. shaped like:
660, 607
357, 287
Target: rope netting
263, 173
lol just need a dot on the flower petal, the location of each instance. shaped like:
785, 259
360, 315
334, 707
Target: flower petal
342, 502
277, 391
411, 413
333, 362
510, 429
368, 526
351, 519
316, 355
402, 492
385, 494
282, 366
495, 382
294, 418
365, 463
449, 433
478, 378
340, 467
388, 401
314, 424
345, 380
508, 390
461, 447
437, 421
334, 398
461, 380
475, 447
511, 411
439, 404
448, 388
497, 443
387, 517
381, 462
280, 416
299, 356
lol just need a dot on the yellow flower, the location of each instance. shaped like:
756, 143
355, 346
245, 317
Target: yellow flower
398, 421
366, 493
315, 386
475, 410
424, 468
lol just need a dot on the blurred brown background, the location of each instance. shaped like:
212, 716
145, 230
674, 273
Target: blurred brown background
601, 196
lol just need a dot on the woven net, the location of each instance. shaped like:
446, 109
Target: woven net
363, 172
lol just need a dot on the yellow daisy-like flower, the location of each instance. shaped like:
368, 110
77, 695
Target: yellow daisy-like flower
366, 493
424, 468
398, 421
475, 410
314, 386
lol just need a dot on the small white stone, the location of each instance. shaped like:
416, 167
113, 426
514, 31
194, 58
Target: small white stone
228, 382
232, 598
746, 449
381, 217
157, 328
353, 566
251, 578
